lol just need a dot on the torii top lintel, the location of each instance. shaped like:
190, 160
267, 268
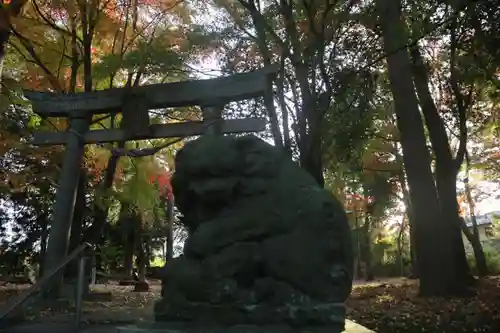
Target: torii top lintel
217, 91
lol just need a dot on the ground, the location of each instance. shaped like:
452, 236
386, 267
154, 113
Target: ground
125, 307
393, 306
390, 306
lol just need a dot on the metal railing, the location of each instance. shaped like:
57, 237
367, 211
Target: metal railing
79, 253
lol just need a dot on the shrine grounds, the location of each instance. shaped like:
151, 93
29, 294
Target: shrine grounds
388, 306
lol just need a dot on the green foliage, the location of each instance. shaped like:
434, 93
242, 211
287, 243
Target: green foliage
142, 196
387, 260
111, 255
349, 119
492, 255
158, 262
28, 214
138, 189
148, 58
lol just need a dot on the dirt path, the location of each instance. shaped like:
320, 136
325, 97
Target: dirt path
125, 306
389, 281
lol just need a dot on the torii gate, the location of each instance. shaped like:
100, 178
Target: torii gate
212, 95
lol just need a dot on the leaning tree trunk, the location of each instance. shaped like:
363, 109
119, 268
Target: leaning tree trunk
473, 237
446, 176
411, 221
431, 245
94, 232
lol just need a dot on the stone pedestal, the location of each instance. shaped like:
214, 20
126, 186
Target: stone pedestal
351, 327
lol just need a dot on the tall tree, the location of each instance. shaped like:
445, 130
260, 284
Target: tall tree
308, 39
439, 267
456, 114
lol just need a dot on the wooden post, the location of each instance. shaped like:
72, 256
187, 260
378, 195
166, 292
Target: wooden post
135, 115
213, 115
170, 228
57, 245
93, 272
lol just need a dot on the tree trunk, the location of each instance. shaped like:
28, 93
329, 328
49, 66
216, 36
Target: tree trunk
475, 241
477, 248
93, 233
147, 248
411, 222
399, 244
311, 110
433, 248
413, 253
357, 265
141, 262
128, 227
128, 260
367, 240
408, 209
446, 176
463, 278
263, 44
482, 265
312, 158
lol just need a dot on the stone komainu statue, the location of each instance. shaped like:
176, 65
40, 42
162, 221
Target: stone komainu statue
266, 244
